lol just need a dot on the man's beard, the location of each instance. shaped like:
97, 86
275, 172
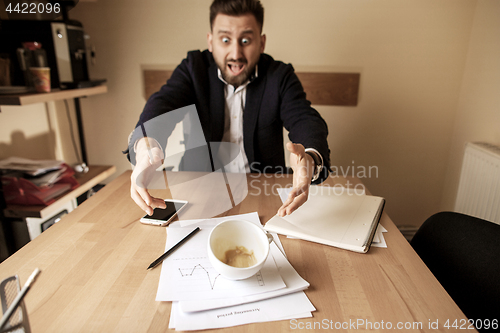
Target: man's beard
241, 78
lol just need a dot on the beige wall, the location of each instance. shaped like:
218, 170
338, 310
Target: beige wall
19, 137
40, 131
478, 112
411, 55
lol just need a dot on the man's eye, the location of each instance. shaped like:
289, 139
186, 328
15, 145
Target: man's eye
225, 40
245, 41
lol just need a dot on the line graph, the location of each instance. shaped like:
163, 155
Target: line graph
192, 271
188, 272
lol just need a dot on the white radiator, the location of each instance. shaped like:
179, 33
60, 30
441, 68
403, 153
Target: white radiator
479, 188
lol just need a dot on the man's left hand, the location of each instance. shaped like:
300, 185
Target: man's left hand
303, 171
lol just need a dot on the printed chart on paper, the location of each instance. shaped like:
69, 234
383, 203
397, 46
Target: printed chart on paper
188, 275
203, 276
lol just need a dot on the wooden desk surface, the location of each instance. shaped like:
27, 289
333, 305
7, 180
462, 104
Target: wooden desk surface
94, 276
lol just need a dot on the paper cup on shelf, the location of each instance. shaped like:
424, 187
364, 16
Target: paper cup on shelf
41, 78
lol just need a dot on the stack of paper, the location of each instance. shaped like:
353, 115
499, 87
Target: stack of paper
203, 299
30, 167
35, 182
39, 172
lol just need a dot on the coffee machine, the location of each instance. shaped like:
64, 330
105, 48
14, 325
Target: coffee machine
63, 46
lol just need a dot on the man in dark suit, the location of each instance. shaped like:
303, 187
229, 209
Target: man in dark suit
242, 96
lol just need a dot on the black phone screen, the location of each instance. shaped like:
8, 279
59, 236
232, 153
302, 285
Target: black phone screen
165, 214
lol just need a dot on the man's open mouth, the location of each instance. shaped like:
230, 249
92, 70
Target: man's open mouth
236, 68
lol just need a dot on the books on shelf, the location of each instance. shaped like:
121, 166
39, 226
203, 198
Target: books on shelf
29, 166
345, 220
35, 182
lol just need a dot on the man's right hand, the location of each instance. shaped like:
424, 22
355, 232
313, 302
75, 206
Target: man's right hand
147, 159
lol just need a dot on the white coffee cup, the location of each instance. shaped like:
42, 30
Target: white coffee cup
230, 234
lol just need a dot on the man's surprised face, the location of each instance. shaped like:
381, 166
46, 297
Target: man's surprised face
236, 44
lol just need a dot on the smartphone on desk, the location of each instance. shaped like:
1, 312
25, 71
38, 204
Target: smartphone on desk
163, 217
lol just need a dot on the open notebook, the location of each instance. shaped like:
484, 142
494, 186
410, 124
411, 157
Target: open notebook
332, 217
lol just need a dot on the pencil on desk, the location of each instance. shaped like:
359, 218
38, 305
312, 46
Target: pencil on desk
173, 248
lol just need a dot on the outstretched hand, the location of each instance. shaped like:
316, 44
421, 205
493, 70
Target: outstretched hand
303, 171
148, 159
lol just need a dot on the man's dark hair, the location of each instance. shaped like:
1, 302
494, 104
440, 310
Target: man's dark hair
237, 8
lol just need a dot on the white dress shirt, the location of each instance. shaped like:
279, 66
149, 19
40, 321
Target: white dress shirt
233, 122
233, 126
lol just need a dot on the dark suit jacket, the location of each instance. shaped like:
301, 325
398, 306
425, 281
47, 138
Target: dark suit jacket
275, 98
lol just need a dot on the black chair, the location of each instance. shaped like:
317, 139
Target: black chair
463, 253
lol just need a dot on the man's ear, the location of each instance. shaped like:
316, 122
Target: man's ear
262, 43
209, 41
